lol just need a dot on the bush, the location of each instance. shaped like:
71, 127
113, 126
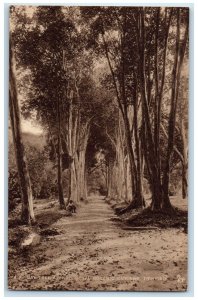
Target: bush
41, 172
14, 189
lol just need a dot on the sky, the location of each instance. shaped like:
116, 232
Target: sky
31, 127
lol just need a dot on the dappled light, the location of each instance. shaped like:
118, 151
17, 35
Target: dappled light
98, 148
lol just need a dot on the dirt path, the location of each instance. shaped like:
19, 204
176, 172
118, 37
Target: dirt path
93, 253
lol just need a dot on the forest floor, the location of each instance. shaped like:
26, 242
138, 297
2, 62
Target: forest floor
90, 251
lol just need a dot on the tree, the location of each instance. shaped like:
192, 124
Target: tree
27, 214
142, 78
176, 74
152, 90
142, 51
110, 28
60, 89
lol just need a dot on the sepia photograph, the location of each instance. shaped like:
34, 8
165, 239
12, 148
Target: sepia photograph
98, 148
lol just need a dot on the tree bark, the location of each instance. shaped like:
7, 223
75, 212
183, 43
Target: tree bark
137, 200
60, 184
184, 164
27, 213
184, 181
147, 136
176, 73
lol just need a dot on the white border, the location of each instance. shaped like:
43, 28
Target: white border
2, 124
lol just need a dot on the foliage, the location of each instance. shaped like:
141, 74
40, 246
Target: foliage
41, 171
14, 189
59, 50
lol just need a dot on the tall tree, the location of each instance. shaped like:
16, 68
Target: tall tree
60, 89
110, 29
180, 48
27, 213
155, 65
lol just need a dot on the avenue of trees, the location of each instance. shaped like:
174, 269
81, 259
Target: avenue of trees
109, 86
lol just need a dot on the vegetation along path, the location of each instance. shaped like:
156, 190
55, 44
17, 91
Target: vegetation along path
91, 252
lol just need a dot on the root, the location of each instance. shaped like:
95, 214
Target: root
133, 205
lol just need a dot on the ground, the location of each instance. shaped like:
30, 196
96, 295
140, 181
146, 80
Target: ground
90, 251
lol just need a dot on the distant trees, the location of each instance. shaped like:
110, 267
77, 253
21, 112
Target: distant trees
117, 167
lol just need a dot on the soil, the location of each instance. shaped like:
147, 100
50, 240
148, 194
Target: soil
90, 250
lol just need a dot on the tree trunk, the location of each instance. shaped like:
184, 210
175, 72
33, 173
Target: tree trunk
109, 179
69, 187
184, 181
27, 214
147, 136
74, 181
185, 161
176, 73
60, 184
85, 183
137, 145
122, 103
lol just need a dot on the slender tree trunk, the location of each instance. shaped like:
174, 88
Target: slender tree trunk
27, 214
85, 185
110, 176
184, 181
171, 126
148, 141
137, 199
179, 56
81, 173
69, 187
74, 180
59, 156
126, 180
137, 144
184, 161
135, 174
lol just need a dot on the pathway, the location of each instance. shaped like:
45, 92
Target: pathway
93, 253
